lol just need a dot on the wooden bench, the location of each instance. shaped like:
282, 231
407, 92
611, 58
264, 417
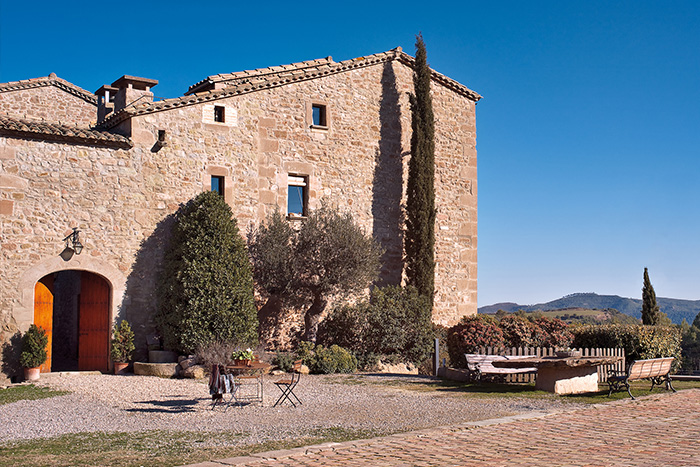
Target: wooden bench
481, 366
658, 370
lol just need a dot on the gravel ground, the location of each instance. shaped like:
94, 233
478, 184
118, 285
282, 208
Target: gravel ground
381, 403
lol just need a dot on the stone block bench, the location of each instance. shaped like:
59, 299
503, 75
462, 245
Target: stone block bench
658, 370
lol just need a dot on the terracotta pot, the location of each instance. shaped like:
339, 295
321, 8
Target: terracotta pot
120, 368
32, 374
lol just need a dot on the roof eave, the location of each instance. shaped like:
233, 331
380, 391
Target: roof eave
50, 81
34, 136
286, 77
42, 131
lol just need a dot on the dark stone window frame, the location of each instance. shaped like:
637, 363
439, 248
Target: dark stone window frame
223, 175
219, 114
324, 113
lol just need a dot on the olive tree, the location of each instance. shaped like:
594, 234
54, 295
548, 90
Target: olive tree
329, 255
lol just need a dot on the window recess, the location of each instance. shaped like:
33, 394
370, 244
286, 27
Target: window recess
297, 196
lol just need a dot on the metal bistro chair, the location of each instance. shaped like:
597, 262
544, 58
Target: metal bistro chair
287, 386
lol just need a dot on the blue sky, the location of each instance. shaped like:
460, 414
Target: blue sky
588, 135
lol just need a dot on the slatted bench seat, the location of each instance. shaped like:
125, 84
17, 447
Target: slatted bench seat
658, 370
481, 366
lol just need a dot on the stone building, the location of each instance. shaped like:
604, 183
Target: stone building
116, 164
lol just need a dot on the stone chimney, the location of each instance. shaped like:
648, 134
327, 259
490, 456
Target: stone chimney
127, 90
132, 90
105, 101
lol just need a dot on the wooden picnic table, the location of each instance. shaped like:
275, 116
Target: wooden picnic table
563, 375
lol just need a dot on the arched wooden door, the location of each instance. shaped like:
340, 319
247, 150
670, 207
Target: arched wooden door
43, 314
93, 327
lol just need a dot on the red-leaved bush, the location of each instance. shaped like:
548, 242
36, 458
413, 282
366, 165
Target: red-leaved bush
556, 332
474, 332
519, 331
471, 333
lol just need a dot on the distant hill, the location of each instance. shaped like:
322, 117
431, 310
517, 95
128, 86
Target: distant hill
675, 309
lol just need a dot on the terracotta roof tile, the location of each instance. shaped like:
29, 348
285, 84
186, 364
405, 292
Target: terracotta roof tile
44, 131
51, 80
207, 83
264, 78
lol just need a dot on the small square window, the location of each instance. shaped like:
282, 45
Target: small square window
219, 114
297, 196
217, 184
318, 115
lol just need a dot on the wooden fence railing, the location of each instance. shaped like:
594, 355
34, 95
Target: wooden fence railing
550, 351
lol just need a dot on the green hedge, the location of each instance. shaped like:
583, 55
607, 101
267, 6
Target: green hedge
395, 325
639, 341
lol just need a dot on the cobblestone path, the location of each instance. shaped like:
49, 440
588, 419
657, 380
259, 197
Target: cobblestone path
658, 430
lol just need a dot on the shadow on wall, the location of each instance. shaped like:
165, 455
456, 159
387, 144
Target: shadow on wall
387, 184
10, 358
140, 303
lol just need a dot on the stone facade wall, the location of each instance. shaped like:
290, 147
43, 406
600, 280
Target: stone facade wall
359, 163
50, 103
456, 202
47, 188
122, 200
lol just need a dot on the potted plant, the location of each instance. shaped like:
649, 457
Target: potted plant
242, 357
122, 346
33, 354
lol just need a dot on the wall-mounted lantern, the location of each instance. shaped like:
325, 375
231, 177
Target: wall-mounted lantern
161, 143
73, 245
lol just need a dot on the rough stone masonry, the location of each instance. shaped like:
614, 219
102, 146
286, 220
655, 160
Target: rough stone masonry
254, 133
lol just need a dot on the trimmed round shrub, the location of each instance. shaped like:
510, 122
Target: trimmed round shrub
334, 359
326, 360
399, 323
206, 288
284, 361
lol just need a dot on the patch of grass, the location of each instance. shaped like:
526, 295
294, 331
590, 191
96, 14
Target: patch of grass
442, 386
28, 392
350, 380
638, 389
484, 390
154, 447
488, 390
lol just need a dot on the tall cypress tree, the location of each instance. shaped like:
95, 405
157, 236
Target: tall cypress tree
650, 310
419, 241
